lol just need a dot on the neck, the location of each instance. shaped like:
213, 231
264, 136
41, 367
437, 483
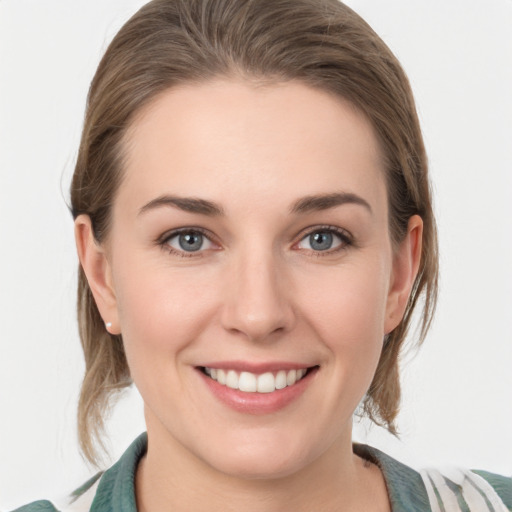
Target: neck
169, 477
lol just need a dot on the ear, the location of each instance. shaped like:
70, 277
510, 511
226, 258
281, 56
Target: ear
96, 266
406, 262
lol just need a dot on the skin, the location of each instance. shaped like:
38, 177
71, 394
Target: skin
256, 291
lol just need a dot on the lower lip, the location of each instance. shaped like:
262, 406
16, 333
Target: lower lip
258, 403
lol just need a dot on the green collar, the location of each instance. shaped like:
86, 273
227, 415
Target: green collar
116, 490
406, 490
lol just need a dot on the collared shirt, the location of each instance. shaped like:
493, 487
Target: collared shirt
408, 489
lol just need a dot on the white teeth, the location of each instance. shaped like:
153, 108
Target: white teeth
251, 383
266, 383
247, 382
221, 377
232, 379
281, 379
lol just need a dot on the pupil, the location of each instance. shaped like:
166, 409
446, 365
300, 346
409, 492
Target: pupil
321, 241
191, 241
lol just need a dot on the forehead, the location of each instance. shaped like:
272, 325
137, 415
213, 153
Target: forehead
233, 141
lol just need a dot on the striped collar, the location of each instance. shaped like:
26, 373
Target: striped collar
466, 491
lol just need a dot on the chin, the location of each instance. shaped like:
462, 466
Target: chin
263, 460
251, 468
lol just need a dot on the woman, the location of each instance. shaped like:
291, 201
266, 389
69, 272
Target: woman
254, 225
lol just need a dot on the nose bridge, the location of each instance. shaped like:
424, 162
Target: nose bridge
258, 305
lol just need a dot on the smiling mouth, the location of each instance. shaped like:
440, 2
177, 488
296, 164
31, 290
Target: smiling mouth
248, 382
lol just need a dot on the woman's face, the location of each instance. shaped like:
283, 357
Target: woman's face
249, 247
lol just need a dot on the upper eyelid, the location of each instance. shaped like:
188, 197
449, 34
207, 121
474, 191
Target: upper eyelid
334, 229
188, 229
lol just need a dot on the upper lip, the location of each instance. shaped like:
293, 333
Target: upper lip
256, 367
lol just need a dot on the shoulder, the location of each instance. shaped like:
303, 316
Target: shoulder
501, 484
38, 506
112, 490
476, 490
79, 501
447, 490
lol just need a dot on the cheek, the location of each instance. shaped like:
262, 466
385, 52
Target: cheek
161, 312
349, 303
348, 314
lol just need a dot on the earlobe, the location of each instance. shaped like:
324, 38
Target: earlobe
406, 262
97, 269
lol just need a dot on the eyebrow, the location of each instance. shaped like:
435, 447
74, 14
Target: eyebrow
304, 205
188, 204
325, 201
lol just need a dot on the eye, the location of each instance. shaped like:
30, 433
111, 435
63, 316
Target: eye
188, 241
323, 240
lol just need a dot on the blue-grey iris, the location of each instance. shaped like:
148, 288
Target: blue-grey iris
321, 240
190, 241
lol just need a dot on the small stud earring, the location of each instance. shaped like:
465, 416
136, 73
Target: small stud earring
108, 325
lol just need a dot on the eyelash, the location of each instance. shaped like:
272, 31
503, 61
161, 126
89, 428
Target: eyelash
163, 241
344, 236
346, 239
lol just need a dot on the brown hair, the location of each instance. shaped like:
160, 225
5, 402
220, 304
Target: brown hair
321, 43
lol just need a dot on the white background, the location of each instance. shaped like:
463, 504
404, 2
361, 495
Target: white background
458, 391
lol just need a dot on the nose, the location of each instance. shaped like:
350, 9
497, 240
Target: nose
257, 306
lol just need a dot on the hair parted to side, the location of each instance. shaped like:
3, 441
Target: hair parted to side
321, 43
